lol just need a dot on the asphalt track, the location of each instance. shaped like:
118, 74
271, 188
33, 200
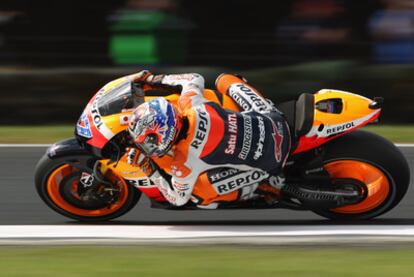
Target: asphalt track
20, 204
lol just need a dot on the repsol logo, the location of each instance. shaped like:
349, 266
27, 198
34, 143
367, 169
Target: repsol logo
340, 128
240, 181
201, 131
141, 183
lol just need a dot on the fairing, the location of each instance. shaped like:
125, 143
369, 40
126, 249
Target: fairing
107, 113
336, 113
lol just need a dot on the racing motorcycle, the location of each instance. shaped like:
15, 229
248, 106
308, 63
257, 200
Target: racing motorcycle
335, 170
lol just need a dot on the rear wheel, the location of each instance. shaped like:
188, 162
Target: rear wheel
374, 161
59, 185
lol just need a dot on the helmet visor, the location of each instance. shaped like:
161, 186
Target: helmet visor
150, 145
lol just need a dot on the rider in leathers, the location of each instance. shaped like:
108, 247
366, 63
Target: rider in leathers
255, 142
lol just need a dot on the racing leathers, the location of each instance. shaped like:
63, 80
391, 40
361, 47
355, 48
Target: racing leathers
254, 143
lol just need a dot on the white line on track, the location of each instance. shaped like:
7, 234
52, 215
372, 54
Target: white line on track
405, 145
159, 232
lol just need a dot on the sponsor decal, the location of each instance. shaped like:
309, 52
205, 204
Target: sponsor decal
247, 137
96, 116
51, 151
201, 131
124, 119
262, 135
97, 124
243, 103
83, 127
340, 128
86, 179
216, 175
243, 93
232, 141
181, 77
141, 183
169, 197
333, 129
278, 139
238, 181
179, 187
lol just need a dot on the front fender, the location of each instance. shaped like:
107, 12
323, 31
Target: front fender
67, 147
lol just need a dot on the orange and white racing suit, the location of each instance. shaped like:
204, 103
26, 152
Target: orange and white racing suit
250, 145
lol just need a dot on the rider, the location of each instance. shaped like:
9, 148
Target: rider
201, 136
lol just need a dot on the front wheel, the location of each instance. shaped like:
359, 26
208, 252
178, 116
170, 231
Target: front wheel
62, 187
377, 163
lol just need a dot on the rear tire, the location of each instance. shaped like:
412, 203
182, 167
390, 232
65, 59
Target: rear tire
46, 167
367, 148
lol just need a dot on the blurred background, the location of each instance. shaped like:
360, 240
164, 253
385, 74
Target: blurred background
54, 55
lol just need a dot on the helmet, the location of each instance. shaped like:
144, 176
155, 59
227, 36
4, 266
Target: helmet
154, 126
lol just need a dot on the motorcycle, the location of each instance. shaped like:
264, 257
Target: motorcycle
335, 170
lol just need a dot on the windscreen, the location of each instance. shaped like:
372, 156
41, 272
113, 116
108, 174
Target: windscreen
122, 97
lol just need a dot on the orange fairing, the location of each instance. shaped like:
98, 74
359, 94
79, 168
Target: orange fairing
53, 190
134, 175
375, 180
206, 194
336, 113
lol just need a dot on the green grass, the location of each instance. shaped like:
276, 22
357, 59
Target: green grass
50, 134
395, 133
35, 134
202, 261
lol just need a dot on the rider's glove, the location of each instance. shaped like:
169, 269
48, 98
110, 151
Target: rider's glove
155, 79
160, 82
136, 158
142, 76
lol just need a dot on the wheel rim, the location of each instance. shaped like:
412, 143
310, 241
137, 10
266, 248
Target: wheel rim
53, 184
378, 186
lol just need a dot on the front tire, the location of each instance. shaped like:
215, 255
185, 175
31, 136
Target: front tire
376, 162
55, 179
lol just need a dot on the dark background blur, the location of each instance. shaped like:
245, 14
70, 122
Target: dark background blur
54, 55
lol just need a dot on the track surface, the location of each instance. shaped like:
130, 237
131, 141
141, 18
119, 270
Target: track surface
20, 204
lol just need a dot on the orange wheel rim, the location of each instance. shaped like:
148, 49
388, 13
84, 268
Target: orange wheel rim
53, 191
375, 180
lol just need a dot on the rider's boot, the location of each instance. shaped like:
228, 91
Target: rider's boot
270, 189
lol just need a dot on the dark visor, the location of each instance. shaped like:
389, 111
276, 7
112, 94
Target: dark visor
149, 145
